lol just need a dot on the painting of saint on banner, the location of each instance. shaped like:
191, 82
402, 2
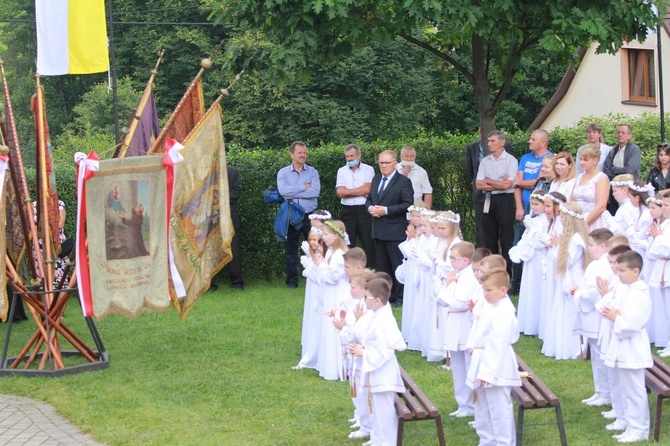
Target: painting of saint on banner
127, 220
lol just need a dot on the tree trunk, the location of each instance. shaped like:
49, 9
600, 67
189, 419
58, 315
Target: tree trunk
480, 87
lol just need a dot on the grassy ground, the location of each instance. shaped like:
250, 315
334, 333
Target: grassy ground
223, 377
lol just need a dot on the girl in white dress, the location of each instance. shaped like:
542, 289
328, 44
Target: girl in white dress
552, 203
423, 252
636, 233
560, 341
313, 309
656, 326
531, 250
334, 289
660, 276
564, 168
449, 233
406, 273
592, 188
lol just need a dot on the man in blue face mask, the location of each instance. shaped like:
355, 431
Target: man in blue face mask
353, 186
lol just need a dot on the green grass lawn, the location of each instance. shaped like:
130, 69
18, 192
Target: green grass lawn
223, 377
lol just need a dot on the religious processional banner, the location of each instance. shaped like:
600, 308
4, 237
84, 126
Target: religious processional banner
200, 227
126, 221
4, 304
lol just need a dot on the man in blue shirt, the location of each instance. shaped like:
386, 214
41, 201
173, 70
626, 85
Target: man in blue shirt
300, 183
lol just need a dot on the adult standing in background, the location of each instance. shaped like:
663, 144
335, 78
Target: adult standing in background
659, 174
423, 191
298, 182
594, 136
352, 187
391, 193
625, 157
474, 153
496, 177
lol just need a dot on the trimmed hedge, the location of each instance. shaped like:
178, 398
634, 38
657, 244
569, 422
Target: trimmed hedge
442, 157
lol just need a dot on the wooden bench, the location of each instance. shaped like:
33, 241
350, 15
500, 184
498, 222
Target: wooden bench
414, 405
657, 380
534, 394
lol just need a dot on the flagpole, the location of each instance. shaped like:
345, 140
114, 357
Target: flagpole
43, 186
112, 69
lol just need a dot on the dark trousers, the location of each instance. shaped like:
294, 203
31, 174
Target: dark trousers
389, 258
612, 204
291, 249
498, 226
358, 222
235, 265
479, 234
517, 268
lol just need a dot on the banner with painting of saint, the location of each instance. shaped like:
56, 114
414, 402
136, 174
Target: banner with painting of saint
127, 236
200, 226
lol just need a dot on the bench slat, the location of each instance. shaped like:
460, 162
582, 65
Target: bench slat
402, 408
537, 383
428, 408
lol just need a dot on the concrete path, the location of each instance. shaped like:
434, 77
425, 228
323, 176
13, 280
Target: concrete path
25, 421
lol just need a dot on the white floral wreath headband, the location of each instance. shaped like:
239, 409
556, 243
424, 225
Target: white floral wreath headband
538, 196
316, 230
455, 220
657, 201
415, 208
648, 188
325, 216
621, 183
554, 199
565, 210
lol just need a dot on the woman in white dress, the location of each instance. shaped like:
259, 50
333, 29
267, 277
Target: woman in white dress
564, 168
592, 188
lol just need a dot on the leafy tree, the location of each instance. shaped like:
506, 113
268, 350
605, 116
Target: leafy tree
496, 34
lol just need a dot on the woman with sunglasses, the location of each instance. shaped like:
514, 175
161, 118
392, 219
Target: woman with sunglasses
659, 174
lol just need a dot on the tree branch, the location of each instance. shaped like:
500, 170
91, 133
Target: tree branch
464, 71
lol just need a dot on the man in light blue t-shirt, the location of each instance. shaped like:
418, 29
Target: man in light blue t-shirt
529, 170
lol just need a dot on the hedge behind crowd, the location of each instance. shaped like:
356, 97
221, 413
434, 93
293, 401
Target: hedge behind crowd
442, 157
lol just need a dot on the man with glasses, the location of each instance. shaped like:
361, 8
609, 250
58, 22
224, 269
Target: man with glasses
390, 195
624, 158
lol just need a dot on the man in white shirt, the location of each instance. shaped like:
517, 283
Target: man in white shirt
353, 186
423, 191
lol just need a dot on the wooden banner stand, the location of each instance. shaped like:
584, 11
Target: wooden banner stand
46, 357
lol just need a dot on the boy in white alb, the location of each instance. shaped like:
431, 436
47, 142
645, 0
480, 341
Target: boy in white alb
379, 339
660, 274
493, 367
587, 319
628, 352
461, 286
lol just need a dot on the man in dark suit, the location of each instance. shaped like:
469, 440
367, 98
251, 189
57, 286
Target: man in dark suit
474, 152
390, 195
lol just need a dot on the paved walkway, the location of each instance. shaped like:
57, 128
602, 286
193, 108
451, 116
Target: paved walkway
25, 421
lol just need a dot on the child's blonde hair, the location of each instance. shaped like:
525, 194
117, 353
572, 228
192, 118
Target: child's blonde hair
498, 277
623, 178
464, 249
572, 218
494, 261
617, 240
336, 227
452, 220
360, 277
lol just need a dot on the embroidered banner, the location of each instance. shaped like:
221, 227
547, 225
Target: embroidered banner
127, 233
200, 226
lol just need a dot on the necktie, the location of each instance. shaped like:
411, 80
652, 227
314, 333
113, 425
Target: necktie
383, 186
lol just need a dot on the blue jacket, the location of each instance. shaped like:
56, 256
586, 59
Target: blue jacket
288, 213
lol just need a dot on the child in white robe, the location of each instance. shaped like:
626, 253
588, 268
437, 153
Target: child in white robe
532, 251
449, 231
660, 276
359, 394
313, 308
379, 339
406, 273
334, 289
461, 285
656, 327
636, 233
560, 340
587, 319
625, 214
493, 367
628, 352
552, 203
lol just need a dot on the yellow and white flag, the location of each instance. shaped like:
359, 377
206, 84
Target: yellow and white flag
71, 37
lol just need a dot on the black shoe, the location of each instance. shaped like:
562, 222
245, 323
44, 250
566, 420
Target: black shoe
292, 285
213, 287
237, 286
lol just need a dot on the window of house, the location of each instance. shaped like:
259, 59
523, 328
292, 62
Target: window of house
641, 76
